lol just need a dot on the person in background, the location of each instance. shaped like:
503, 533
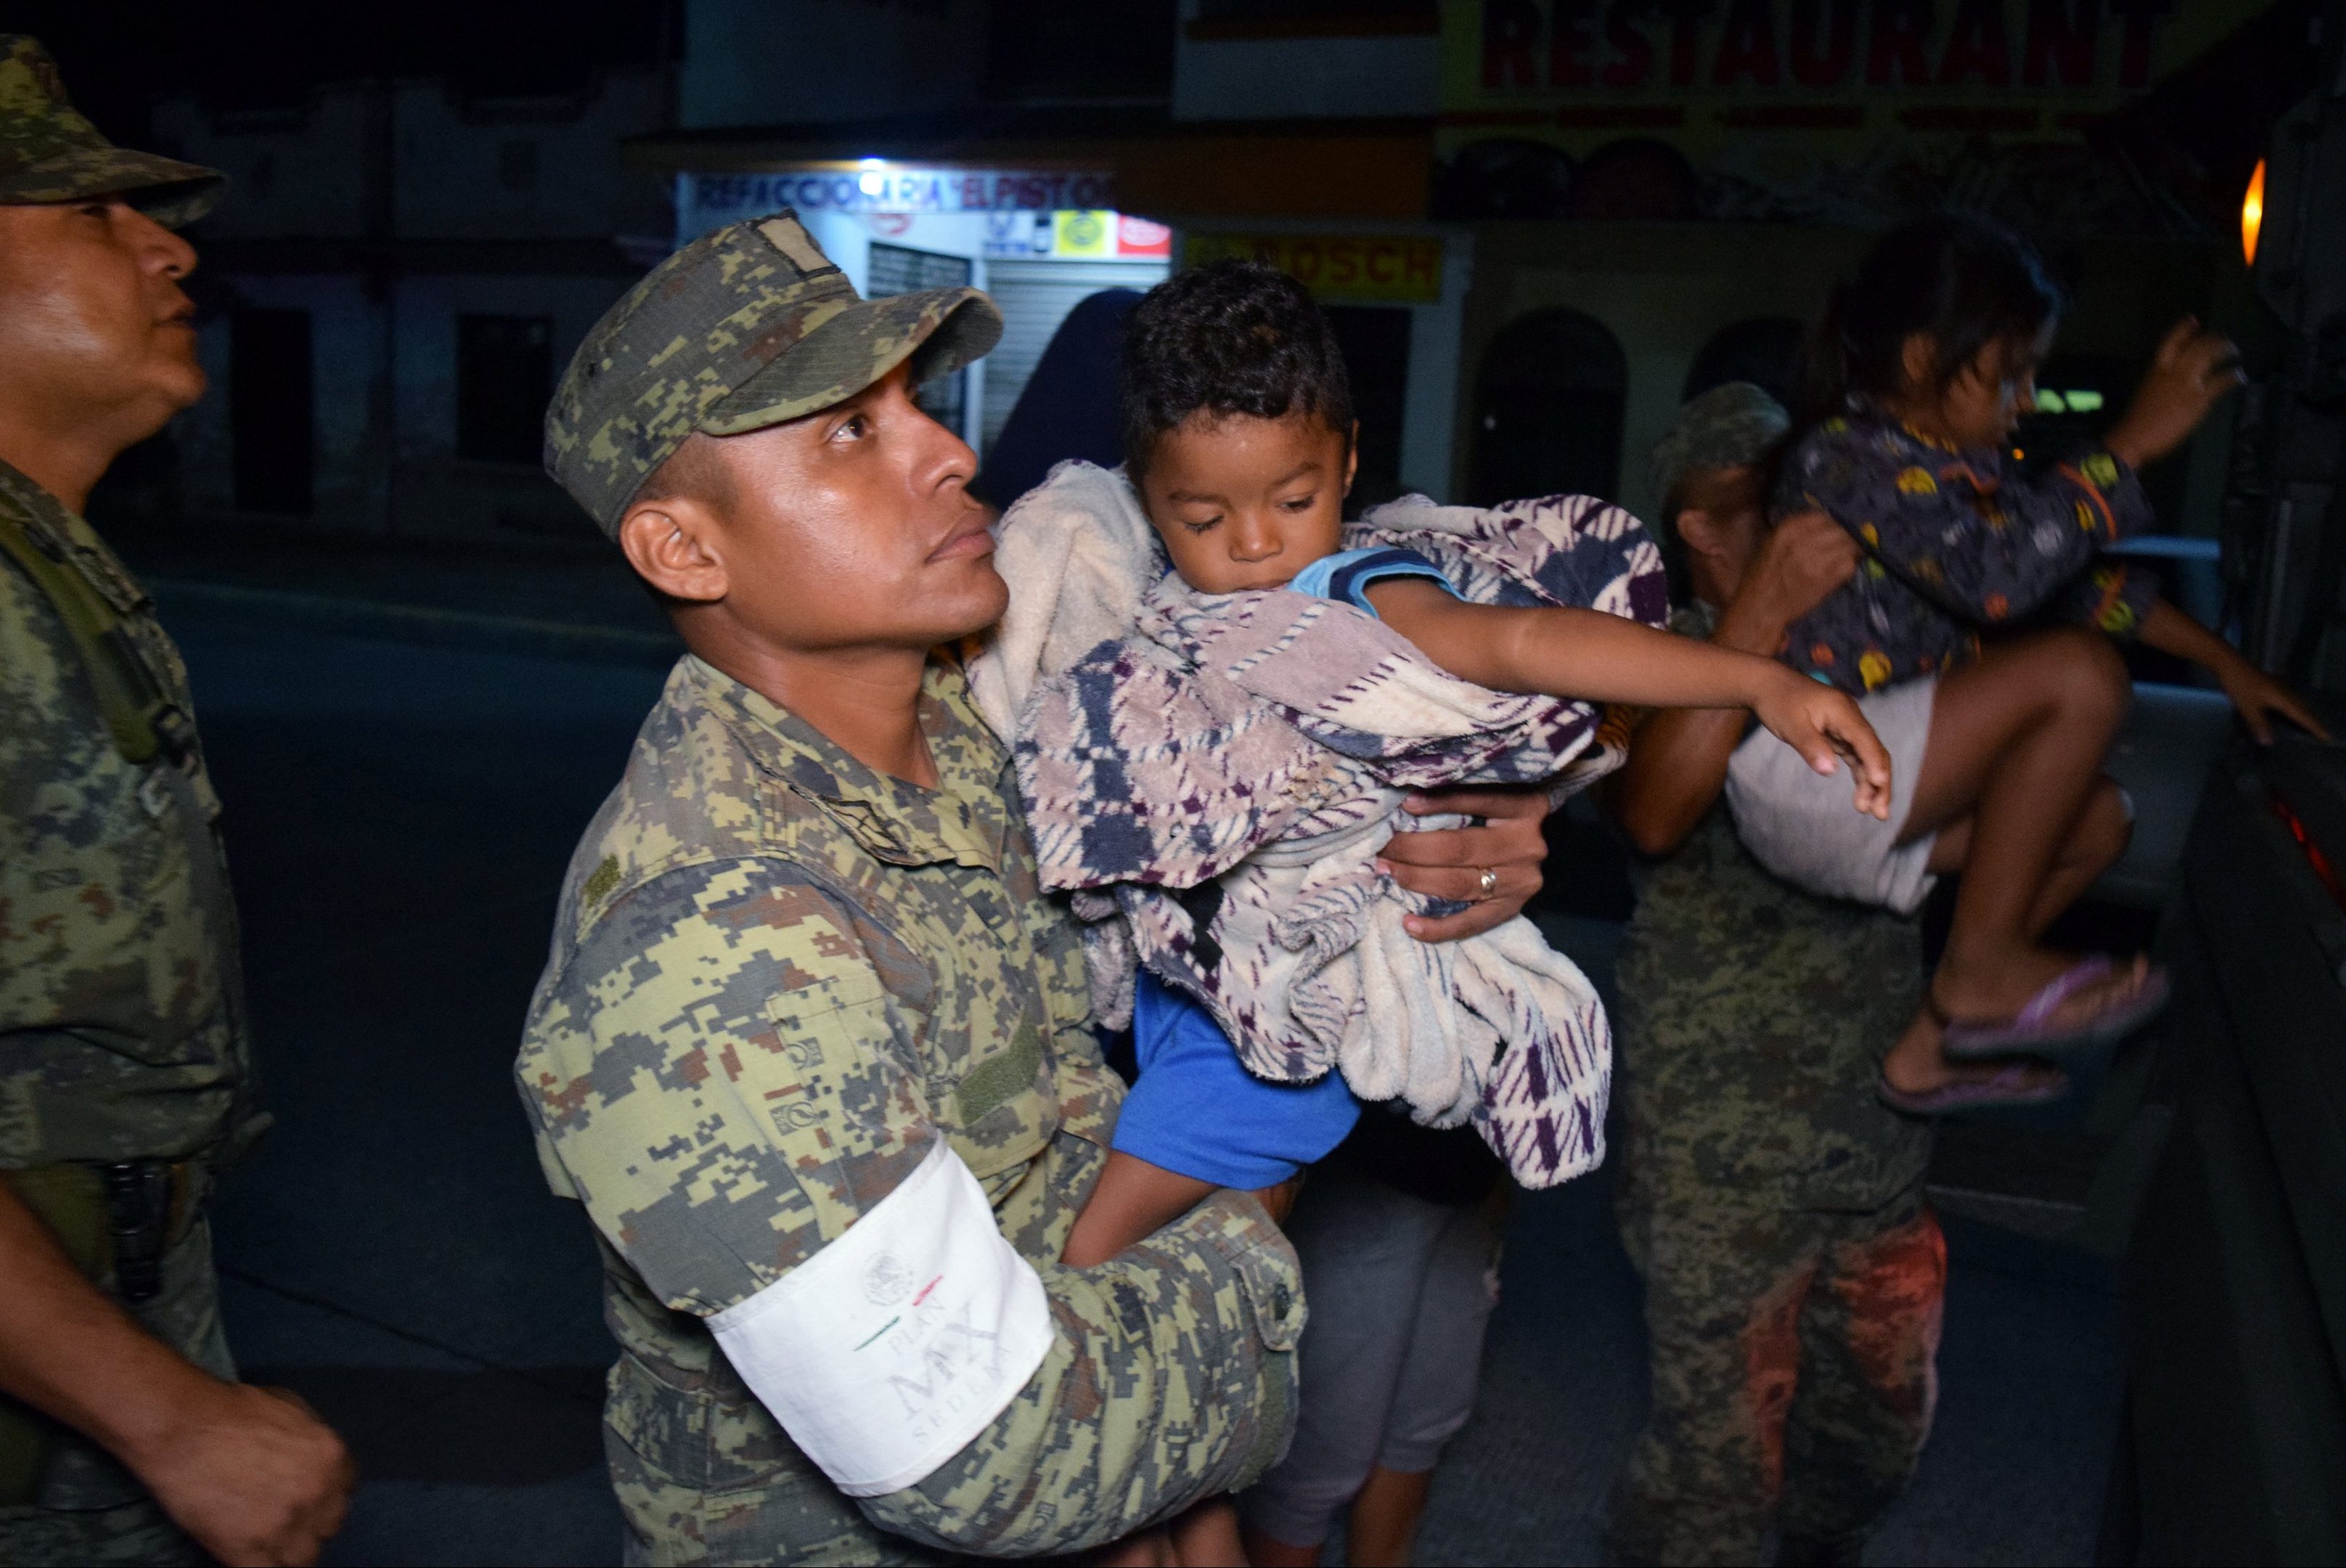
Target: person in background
1072, 407
1398, 1233
124, 1062
1793, 1273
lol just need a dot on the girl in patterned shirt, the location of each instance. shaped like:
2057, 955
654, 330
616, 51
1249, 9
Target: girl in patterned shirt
1976, 635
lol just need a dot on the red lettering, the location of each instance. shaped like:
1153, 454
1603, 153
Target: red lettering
1748, 49
1633, 52
1901, 41
2141, 18
1568, 43
1686, 18
1823, 62
1303, 260
1977, 47
1510, 29
1385, 263
2061, 38
1344, 262
1422, 257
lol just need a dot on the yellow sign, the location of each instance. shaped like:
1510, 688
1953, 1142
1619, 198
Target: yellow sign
1084, 233
1398, 269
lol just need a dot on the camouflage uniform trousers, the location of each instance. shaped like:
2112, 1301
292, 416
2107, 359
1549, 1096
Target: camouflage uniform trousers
1793, 1372
91, 1510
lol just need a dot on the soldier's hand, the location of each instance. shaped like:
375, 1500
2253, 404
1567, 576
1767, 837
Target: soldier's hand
252, 1474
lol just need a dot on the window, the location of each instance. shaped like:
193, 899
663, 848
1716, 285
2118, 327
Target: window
272, 418
505, 377
1548, 413
899, 269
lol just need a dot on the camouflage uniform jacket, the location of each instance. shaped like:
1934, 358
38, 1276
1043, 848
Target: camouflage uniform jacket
1750, 1021
119, 1039
776, 976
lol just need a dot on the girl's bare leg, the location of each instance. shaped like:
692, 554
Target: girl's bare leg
2016, 746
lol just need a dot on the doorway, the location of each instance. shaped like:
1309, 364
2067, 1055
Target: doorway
1548, 410
1375, 342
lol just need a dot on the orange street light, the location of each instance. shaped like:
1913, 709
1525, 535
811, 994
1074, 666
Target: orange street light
2252, 213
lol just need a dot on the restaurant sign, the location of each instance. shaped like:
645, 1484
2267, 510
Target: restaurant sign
1396, 268
1705, 71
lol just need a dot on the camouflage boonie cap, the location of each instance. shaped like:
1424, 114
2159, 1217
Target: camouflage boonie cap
49, 152
1725, 427
746, 327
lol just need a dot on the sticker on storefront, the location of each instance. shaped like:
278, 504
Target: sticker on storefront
1401, 269
1084, 235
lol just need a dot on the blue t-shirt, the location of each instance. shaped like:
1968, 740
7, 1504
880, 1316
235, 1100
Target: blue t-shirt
1195, 1109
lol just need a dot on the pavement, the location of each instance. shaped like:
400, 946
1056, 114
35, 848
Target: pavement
408, 754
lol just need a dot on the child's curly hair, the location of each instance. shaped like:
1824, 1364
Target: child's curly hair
1230, 338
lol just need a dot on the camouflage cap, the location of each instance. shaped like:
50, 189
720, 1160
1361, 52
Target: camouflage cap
746, 327
49, 152
1725, 427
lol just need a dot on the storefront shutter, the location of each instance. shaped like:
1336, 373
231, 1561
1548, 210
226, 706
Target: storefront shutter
1034, 297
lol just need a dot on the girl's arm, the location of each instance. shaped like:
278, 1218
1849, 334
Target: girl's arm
1591, 656
1985, 545
2255, 694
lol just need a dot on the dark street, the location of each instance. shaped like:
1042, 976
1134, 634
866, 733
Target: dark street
401, 813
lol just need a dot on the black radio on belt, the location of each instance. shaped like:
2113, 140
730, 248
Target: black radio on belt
138, 1224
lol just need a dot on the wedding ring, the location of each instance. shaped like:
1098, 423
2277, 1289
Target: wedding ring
1490, 881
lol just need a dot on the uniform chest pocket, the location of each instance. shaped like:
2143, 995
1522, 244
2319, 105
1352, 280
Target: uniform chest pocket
1003, 1110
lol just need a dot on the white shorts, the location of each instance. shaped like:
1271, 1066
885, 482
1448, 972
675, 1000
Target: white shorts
1800, 824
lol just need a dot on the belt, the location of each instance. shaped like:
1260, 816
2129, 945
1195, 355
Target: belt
115, 1221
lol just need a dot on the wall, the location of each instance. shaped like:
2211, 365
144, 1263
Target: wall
748, 62
1665, 289
1219, 76
513, 207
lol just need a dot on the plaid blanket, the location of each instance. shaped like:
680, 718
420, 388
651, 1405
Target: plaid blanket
1212, 776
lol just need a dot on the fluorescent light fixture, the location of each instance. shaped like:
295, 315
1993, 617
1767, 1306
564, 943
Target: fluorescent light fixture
2049, 401
2082, 402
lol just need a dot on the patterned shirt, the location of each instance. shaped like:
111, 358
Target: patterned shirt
117, 1036
1956, 543
778, 975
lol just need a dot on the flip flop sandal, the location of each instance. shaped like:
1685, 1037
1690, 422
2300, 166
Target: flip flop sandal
2012, 1085
2030, 1029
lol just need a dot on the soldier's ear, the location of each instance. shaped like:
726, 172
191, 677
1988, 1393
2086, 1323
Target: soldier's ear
671, 544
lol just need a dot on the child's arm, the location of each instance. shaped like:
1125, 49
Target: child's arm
1134, 1200
1985, 543
1594, 656
2256, 695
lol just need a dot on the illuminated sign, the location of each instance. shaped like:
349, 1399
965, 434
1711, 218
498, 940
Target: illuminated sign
704, 202
1402, 269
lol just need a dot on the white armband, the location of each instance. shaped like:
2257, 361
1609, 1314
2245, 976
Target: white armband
889, 1348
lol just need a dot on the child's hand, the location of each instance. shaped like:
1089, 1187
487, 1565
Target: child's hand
2192, 369
1824, 726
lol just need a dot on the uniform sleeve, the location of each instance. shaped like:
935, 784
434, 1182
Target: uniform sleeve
723, 1078
1984, 544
